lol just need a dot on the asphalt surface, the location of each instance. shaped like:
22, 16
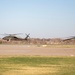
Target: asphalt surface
37, 51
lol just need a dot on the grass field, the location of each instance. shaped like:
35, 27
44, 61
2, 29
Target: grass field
36, 65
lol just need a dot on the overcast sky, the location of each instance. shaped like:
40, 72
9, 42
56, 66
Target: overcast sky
40, 18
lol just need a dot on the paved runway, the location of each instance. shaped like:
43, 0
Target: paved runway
32, 50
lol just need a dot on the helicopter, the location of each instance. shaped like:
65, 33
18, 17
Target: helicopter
10, 37
69, 38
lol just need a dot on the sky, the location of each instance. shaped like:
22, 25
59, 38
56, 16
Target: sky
40, 18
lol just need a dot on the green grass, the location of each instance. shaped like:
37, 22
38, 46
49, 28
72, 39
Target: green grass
36, 65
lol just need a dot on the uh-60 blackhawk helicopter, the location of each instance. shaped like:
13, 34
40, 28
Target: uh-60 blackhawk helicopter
10, 37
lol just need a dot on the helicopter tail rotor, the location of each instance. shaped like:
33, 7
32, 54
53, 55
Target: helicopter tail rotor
27, 36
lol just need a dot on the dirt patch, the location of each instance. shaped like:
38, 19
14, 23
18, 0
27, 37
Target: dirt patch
34, 50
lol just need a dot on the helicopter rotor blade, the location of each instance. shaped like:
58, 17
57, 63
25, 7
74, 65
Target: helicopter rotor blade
27, 34
11, 34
